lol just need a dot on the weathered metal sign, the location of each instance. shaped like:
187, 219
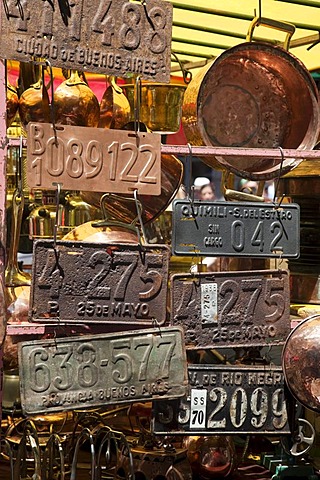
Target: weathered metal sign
227, 309
227, 400
90, 282
99, 160
235, 229
102, 369
110, 37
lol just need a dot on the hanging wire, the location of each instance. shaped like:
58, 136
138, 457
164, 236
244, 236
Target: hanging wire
277, 205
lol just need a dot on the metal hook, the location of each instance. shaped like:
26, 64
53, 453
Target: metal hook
188, 170
137, 99
278, 180
156, 324
19, 167
56, 223
139, 208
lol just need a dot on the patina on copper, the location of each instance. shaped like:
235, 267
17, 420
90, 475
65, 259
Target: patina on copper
301, 360
152, 205
252, 95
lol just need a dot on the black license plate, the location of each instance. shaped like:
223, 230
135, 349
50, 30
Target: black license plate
90, 282
227, 309
226, 400
97, 370
235, 229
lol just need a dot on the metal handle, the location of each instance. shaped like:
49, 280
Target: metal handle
187, 75
289, 28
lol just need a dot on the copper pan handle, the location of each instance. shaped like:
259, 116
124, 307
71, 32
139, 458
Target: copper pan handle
289, 28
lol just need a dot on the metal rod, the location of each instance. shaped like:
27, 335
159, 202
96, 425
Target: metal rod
305, 3
211, 11
238, 15
200, 43
244, 152
202, 28
191, 54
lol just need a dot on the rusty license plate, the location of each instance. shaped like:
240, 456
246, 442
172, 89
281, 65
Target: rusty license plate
90, 282
240, 229
102, 369
103, 36
227, 400
227, 309
99, 160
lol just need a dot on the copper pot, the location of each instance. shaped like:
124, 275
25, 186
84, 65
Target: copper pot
34, 104
124, 209
12, 104
301, 361
253, 95
112, 233
114, 107
75, 103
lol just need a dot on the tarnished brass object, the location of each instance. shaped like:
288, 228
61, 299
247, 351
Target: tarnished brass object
157, 463
160, 105
211, 457
114, 107
86, 232
12, 104
34, 104
13, 275
75, 103
301, 360
152, 206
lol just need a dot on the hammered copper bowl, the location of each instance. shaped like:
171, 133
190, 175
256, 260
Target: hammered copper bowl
253, 95
75, 103
301, 362
152, 205
86, 232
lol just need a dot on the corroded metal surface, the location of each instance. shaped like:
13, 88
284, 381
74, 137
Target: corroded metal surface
239, 309
97, 370
252, 95
240, 229
301, 360
114, 36
104, 282
102, 160
227, 400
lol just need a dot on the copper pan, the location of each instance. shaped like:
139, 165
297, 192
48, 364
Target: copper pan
253, 95
152, 206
